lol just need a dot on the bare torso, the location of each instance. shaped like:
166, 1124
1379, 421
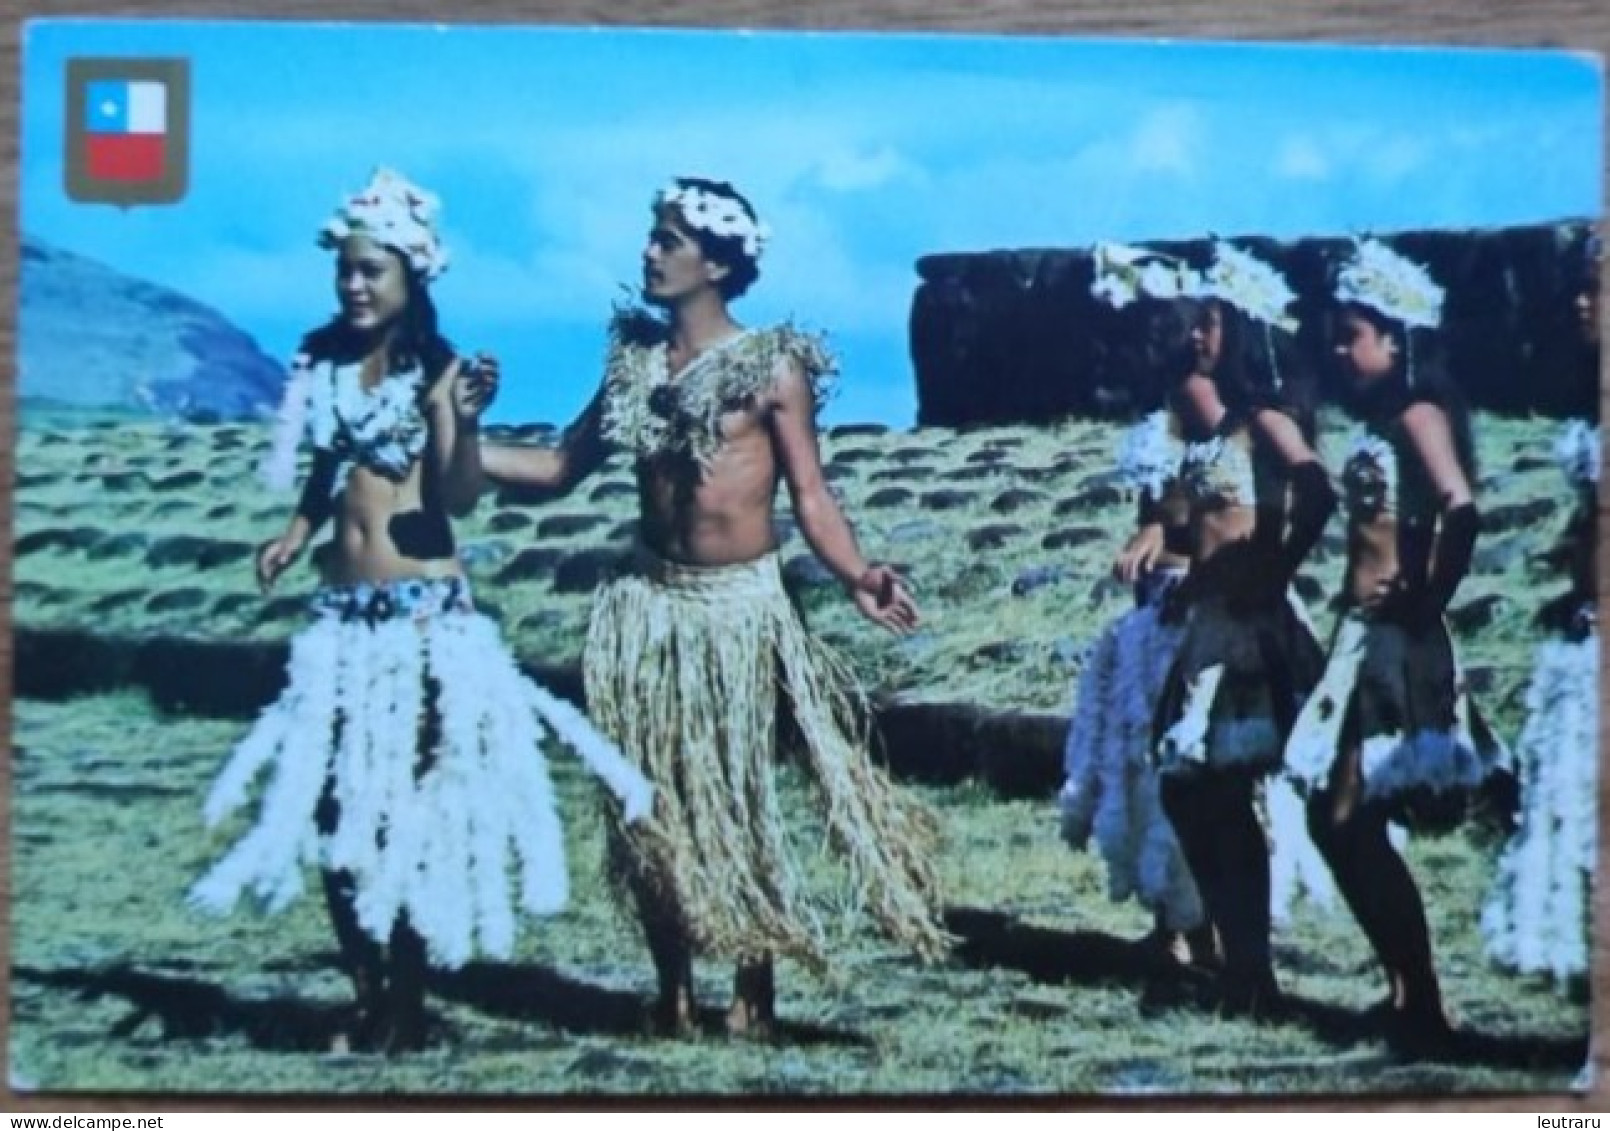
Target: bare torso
1390, 543
391, 526
1227, 514
1174, 511
1372, 555
1221, 527
725, 515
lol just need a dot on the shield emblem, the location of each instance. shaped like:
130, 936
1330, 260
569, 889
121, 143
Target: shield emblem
128, 130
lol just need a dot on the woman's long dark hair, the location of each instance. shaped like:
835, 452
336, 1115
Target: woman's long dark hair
1419, 374
1259, 367
418, 340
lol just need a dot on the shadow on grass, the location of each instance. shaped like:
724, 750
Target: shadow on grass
192, 1009
540, 993
995, 939
188, 1008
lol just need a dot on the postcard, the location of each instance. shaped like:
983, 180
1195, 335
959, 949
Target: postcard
562, 561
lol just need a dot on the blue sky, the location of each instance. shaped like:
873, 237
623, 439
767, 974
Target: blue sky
862, 151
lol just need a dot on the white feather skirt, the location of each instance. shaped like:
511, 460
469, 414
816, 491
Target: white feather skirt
405, 709
1538, 918
1111, 788
1437, 743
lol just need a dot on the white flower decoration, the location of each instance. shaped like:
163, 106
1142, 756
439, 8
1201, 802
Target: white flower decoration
1577, 452
397, 213
1149, 454
1124, 274
1386, 282
1370, 474
718, 215
1249, 284
1197, 461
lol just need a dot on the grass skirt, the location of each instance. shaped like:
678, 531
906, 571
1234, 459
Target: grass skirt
406, 715
1111, 787
1424, 747
684, 667
1539, 917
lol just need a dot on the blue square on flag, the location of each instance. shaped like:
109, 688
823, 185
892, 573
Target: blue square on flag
128, 130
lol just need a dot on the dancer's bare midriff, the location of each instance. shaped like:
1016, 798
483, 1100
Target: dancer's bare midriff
1372, 557
372, 514
1222, 526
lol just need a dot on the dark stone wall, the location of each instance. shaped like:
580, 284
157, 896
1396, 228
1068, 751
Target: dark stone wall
1013, 336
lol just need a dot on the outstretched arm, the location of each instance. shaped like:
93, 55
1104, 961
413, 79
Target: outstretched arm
277, 555
580, 452
878, 592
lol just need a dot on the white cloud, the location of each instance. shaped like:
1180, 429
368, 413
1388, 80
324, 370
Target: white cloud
815, 272
1301, 159
1393, 157
1166, 140
250, 284
850, 170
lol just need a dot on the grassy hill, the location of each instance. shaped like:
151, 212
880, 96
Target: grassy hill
1008, 533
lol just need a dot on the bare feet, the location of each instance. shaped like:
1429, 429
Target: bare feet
1254, 996
397, 1030
1421, 1032
1202, 949
673, 1014
753, 1014
1422, 1038
1197, 949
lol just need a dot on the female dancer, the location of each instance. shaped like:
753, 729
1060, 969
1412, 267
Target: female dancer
1539, 917
1259, 499
1111, 787
406, 747
1389, 733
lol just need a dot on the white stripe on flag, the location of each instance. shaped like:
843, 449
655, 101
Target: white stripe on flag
148, 107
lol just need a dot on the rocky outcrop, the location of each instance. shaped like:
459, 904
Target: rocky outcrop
1013, 337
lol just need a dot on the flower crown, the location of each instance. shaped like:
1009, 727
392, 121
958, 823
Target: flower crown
1386, 282
393, 211
1249, 284
1577, 453
1124, 274
715, 213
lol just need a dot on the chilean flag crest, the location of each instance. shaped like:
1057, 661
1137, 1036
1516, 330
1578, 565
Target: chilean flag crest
128, 130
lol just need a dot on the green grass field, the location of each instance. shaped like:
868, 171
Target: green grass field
137, 529
116, 985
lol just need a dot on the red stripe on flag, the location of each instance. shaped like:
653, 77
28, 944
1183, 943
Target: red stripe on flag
125, 157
